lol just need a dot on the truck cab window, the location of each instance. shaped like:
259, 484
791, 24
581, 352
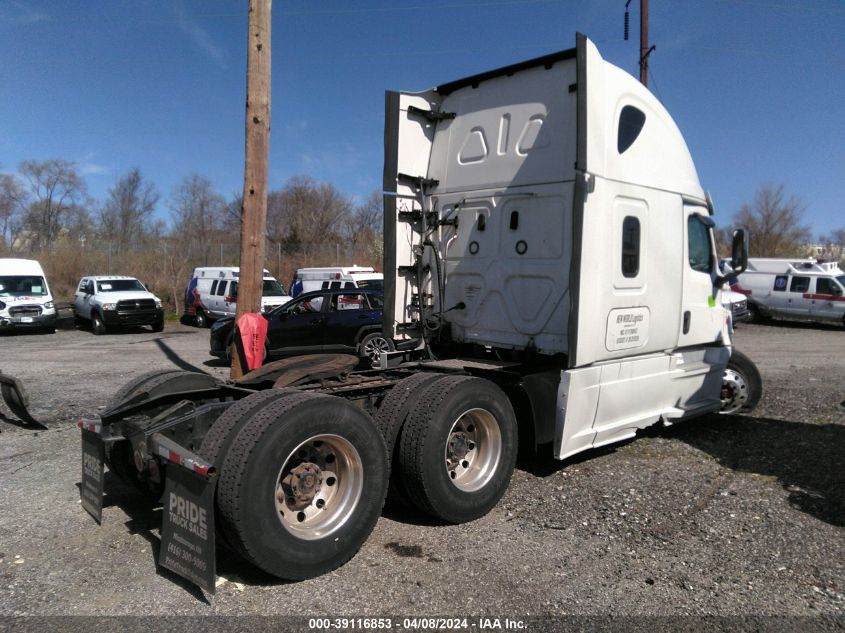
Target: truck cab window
780, 283
700, 249
630, 246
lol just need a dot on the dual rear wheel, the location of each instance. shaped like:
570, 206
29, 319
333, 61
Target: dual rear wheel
455, 444
302, 477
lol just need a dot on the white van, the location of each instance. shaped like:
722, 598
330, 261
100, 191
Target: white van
794, 288
213, 291
334, 277
25, 299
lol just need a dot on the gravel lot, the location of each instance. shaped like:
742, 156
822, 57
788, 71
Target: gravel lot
721, 515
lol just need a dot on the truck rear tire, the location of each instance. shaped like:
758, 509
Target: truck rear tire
390, 417
741, 385
216, 442
458, 448
200, 320
302, 485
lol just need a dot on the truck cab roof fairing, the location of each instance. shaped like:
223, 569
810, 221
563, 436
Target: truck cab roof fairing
658, 158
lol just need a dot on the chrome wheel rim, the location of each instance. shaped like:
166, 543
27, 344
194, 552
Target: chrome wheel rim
473, 450
734, 391
319, 487
375, 347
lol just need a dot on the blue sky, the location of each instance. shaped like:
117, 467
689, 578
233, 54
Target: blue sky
756, 86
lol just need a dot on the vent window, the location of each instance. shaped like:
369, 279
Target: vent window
631, 122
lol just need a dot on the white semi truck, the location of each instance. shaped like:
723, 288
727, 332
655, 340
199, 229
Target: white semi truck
551, 280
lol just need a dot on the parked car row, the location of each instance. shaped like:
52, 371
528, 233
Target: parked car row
343, 314
212, 292
339, 309
343, 321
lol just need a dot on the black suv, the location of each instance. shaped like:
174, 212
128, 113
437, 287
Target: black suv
321, 321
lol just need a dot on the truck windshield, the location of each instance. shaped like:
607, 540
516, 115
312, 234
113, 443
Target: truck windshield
22, 286
120, 285
371, 284
273, 288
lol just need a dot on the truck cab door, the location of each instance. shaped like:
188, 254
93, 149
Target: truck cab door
702, 317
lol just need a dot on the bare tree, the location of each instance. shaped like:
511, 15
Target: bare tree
307, 212
198, 213
56, 189
125, 216
774, 223
12, 198
365, 224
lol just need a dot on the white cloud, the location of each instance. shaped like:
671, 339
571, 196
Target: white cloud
202, 39
87, 168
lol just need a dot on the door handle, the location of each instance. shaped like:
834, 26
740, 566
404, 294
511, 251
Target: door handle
317, 321
687, 319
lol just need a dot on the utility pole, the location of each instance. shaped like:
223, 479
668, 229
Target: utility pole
254, 210
645, 49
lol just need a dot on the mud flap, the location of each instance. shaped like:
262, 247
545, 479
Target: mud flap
93, 474
187, 529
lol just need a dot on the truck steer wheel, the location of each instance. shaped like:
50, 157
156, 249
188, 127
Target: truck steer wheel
741, 385
458, 448
302, 485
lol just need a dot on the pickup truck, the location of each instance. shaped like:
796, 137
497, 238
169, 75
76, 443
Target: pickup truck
111, 301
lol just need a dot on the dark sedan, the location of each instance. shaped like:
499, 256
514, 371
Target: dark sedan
322, 321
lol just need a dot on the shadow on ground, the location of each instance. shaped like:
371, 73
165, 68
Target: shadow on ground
806, 459
145, 517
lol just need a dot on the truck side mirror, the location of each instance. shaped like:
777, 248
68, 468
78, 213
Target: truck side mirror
739, 257
739, 251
